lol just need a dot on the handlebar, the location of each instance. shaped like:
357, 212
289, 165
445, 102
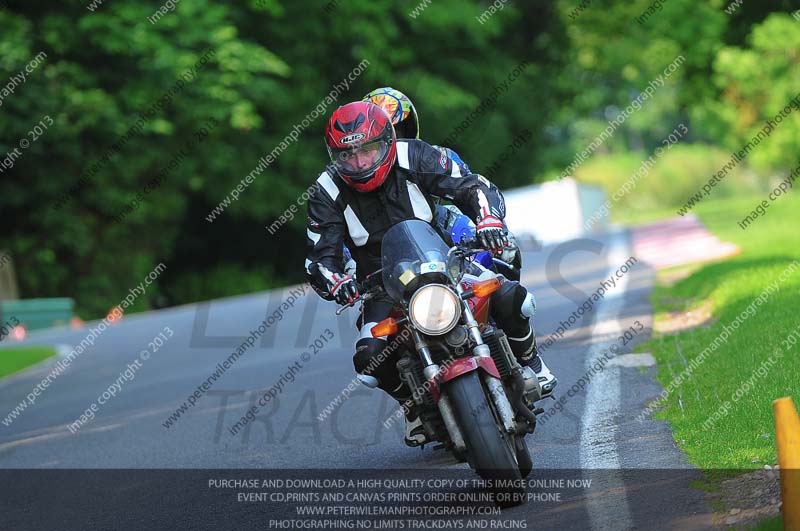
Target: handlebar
341, 309
471, 245
371, 281
468, 247
367, 289
467, 242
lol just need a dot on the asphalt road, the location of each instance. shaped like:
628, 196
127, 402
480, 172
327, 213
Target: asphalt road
639, 477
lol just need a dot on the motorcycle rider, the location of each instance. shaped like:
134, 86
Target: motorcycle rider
404, 117
373, 182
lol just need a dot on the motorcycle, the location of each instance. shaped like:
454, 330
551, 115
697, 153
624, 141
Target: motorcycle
468, 389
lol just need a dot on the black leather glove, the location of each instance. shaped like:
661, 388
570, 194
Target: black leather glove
491, 233
333, 285
343, 288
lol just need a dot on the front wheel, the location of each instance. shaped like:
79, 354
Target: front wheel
490, 451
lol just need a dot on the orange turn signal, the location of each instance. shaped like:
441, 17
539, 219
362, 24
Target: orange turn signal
386, 327
482, 288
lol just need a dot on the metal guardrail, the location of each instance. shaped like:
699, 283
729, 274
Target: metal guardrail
38, 313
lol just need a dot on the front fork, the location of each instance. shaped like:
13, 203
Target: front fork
431, 371
496, 390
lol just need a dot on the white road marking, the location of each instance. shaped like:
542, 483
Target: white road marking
633, 360
63, 350
599, 429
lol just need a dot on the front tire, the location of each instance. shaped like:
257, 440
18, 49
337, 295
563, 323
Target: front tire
490, 451
524, 458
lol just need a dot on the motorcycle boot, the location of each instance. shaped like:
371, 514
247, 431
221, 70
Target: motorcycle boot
524, 348
414, 432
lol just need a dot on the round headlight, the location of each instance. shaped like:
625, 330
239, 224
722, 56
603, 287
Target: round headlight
434, 309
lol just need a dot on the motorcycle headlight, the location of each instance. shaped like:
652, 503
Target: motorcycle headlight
434, 309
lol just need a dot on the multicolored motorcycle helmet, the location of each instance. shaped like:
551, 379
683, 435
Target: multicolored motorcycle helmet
399, 108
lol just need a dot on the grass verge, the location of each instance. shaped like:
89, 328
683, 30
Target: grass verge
771, 524
15, 359
720, 392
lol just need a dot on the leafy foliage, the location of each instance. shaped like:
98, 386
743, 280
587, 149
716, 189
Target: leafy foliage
274, 61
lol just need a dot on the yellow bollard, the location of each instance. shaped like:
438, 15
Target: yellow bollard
787, 436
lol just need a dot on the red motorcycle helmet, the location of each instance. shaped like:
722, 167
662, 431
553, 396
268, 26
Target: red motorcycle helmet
361, 143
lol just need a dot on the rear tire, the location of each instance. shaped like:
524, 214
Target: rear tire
490, 451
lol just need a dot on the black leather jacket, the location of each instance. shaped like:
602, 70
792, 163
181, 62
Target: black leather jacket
339, 215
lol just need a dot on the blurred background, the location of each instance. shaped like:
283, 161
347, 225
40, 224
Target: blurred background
105, 116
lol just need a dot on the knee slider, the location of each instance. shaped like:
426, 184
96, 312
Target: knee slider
367, 380
528, 307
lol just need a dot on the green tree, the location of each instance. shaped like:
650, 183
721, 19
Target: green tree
757, 82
